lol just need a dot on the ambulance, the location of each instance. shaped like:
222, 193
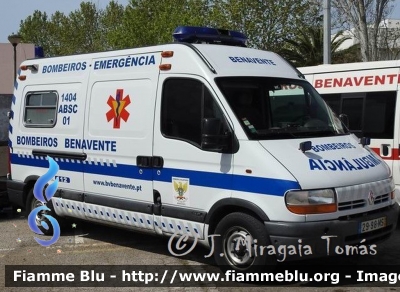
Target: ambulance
365, 95
203, 138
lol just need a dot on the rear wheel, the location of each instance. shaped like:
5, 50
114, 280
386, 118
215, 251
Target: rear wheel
240, 243
31, 204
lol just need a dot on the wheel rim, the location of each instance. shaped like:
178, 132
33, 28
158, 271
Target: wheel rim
40, 215
238, 247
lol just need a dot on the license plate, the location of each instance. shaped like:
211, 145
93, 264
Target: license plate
372, 225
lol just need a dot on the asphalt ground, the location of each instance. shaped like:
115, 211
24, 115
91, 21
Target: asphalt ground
84, 243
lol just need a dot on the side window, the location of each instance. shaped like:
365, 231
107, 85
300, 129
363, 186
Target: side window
370, 114
185, 102
333, 100
353, 108
379, 115
40, 109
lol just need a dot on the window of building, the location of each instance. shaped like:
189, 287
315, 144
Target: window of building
40, 109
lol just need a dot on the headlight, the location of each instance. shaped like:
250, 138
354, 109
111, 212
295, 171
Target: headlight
311, 202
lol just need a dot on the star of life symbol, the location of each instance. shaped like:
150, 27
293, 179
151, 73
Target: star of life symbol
118, 111
371, 198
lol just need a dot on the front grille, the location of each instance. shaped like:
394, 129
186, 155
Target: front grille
381, 199
351, 205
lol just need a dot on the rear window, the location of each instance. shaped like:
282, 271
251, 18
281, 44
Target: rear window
40, 109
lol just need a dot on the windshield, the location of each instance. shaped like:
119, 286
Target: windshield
276, 108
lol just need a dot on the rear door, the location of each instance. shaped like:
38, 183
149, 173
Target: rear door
118, 136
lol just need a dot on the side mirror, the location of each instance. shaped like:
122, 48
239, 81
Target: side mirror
212, 138
365, 141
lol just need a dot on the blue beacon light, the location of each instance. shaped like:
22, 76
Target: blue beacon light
197, 34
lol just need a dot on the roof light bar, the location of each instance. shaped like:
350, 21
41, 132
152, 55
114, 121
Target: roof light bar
197, 34
39, 53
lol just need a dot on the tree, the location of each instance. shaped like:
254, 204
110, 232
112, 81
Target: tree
265, 22
112, 20
365, 17
82, 32
349, 55
87, 29
56, 27
145, 23
306, 49
35, 29
142, 23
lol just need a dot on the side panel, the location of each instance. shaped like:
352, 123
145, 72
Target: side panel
118, 129
396, 150
356, 80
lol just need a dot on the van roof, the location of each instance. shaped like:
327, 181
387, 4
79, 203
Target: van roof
327, 68
222, 60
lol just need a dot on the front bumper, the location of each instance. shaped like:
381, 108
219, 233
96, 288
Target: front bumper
328, 238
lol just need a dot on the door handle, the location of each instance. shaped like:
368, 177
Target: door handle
386, 150
144, 161
150, 161
158, 162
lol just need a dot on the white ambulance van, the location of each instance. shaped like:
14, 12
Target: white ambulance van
367, 94
203, 138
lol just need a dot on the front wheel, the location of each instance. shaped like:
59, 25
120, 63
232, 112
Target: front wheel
241, 242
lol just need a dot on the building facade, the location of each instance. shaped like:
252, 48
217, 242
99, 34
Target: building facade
388, 41
7, 79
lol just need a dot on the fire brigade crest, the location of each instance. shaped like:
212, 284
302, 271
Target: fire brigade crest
180, 190
118, 108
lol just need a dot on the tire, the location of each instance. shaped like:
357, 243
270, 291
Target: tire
237, 232
32, 203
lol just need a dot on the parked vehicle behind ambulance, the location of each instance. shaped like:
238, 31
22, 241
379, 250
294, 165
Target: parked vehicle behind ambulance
200, 137
367, 95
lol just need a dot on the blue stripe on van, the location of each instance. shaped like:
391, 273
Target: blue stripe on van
270, 186
10, 128
121, 170
13, 99
16, 84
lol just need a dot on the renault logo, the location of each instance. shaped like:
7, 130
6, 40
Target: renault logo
371, 198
